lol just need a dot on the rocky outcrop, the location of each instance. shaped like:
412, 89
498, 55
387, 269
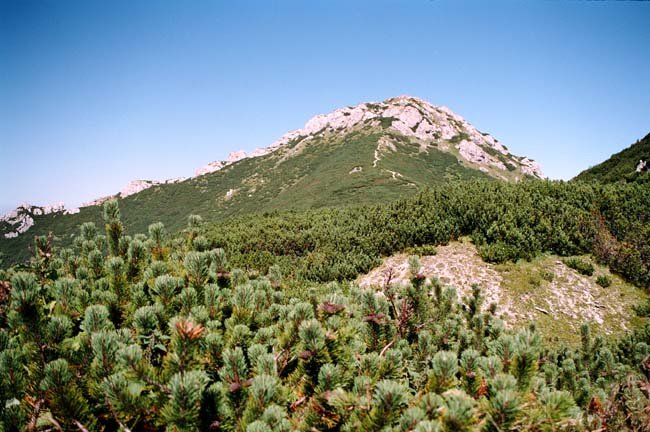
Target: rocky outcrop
475, 154
232, 158
135, 186
21, 219
97, 201
531, 168
211, 167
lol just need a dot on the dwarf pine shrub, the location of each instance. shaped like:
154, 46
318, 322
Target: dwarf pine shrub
149, 333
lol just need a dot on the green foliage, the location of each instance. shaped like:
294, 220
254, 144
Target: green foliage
164, 333
581, 266
505, 221
114, 226
604, 281
422, 250
547, 275
181, 413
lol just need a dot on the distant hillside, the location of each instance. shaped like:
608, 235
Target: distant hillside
620, 166
370, 153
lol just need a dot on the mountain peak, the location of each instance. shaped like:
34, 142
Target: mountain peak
420, 120
411, 117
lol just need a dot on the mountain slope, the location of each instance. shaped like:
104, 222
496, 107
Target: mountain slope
621, 166
369, 153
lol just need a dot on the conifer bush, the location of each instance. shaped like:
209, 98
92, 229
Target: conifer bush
506, 222
153, 334
581, 266
604, 281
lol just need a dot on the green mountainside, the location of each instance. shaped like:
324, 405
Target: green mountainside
371, 153
621, 166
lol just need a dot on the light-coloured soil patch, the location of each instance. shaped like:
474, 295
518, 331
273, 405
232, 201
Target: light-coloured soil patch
456, 265
544, 291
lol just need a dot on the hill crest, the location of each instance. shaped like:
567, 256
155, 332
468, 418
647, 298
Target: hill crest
370, 152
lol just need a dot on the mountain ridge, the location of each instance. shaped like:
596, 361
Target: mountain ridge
367, 153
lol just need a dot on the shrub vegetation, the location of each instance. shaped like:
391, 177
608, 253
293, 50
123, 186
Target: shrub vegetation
604, 281
157, 332
581, 266
506, 221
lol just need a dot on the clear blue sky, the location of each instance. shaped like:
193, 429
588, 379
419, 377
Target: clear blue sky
96, 93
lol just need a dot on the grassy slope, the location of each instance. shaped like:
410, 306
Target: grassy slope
318, 175
619, 166
569, 298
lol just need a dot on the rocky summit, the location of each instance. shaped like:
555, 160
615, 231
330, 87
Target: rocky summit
431, 126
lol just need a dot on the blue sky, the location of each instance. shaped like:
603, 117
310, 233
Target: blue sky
96, 93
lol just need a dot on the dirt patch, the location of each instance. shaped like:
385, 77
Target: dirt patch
544, 291
457, 265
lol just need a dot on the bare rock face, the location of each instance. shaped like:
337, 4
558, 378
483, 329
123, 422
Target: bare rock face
233, 157
211, 167
135, 186
236, 156
97, 201
530, 167
21, 219
409, 116
474, 153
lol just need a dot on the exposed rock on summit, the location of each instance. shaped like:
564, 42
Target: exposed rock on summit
431, 125
135, 186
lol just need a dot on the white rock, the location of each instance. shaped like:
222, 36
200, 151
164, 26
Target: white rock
530, 167
232, 158
230, 193
209, 168
260, 151
236, 156
175, 180
135, 186
286, 139
406, 114
413, 117
97, 201
54, 208
475, 154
